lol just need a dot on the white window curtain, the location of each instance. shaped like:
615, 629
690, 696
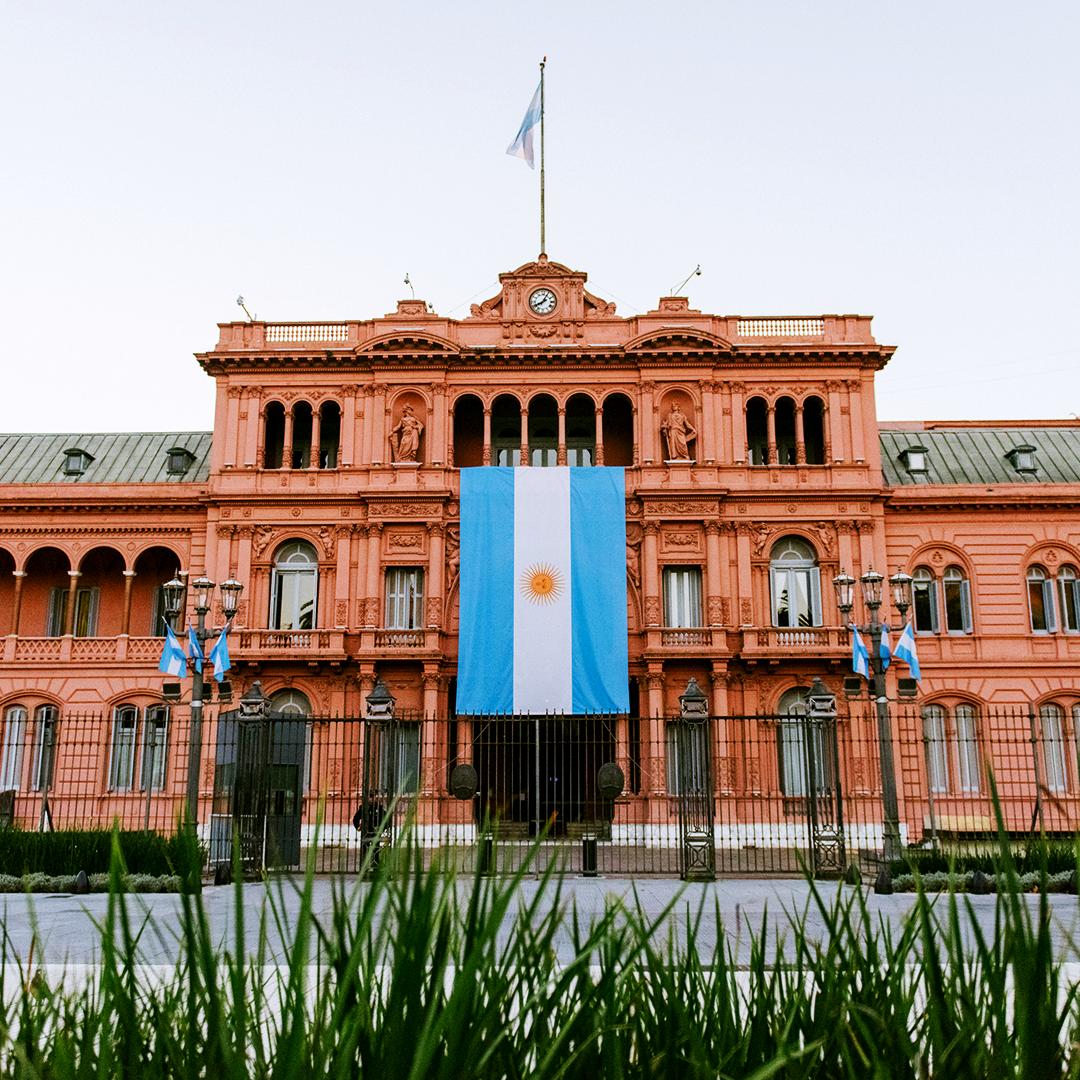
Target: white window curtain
14, 734
45, 731
937, 762
967, 748
404, 598
1053, 739
682, 596
122, 751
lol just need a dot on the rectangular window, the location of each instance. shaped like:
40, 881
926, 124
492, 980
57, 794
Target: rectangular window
796, 596
957, 605
967, 748
399, 760
155, 745
579, 456
404, 598
122, 751
86, 609
158, 618
937, 763
544, 457
686, 747
924, 605
682, 596
45, 732
11, 761
1053, 747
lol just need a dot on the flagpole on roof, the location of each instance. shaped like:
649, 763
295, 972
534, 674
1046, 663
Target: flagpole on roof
543, 236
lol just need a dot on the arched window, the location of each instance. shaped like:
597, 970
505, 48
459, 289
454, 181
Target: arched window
814, 430
757, 432
957, 592
122, 749
294, 587
273, 435
1040, 601
44, 767
329, 434
543, 430
301, 436
965, 720
618, 423
952, 748
803, 747
924, 603
785, 432
506, 431
292, 740
795, 582
290, 704
468, 432
580, 430
1055, 768
937, 756
1069, 595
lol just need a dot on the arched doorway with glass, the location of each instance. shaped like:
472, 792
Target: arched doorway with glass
294, 587
805, 749
795, 583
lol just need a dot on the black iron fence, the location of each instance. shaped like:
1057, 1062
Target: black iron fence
688, 796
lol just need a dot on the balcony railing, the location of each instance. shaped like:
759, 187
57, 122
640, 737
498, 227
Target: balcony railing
81, 650
305, 644
399, 639
682, 637
795, 640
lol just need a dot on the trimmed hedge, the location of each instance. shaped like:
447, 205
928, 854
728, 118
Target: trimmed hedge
44, 883
66, 852
1056, 856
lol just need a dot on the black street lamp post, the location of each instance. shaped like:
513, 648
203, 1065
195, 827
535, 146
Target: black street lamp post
174, 600
872, 583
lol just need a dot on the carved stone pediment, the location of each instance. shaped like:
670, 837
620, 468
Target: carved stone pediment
572, 302
677, 339
408, 341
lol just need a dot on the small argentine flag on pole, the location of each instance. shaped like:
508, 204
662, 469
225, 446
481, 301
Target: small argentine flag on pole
219, 655
173, 661
860, 655
884, 651
905, 650
196, 650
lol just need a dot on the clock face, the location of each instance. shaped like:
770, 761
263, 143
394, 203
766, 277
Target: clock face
543, 301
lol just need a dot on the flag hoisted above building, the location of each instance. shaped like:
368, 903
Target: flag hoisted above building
522, 146
543, 591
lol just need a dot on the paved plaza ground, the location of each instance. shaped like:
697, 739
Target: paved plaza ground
68, 935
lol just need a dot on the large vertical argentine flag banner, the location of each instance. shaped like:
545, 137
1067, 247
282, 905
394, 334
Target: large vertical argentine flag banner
543, 591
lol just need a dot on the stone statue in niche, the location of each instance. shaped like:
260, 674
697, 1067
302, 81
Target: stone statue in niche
678, 435
405, 437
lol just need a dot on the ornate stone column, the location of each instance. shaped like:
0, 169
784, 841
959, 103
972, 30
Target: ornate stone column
343, 540
598, 435
377, 422
439, 449
800, 436
827, 457
251, 416
651, 574
73, 595
129, 580
714, 604
314, 457
348, 425
232, 426
374, 557
560, 458
436, 561
773, 460
486, 459
286, 451
20, 577
524, 424
737, 412
833, 412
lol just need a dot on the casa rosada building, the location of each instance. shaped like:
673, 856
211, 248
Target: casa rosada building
329, 488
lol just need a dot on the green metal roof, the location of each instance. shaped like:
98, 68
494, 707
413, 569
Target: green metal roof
125, 458
980, 455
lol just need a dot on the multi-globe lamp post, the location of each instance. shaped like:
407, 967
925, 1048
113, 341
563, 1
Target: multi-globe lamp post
872, 586
203, 590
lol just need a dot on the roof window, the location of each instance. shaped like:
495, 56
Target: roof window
1022, 458
914, 458
76, 461
179, 460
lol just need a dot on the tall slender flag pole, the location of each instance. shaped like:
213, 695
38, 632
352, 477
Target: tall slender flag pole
543, 235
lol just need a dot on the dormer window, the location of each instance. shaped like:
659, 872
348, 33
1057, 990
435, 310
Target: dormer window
179, 460
914, 459
1022, 458
76, 461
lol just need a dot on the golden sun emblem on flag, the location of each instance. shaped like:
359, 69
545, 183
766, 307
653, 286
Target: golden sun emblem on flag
542, 583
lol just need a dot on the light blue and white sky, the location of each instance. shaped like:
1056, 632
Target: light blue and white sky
918, 162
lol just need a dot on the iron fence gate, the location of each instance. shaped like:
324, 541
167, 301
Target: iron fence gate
664, 795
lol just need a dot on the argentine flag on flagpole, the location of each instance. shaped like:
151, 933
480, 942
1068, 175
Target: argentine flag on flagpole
219, 655
884, 651
173, 661
543, 591
860, 655
196, 652
905, 650
522, 146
